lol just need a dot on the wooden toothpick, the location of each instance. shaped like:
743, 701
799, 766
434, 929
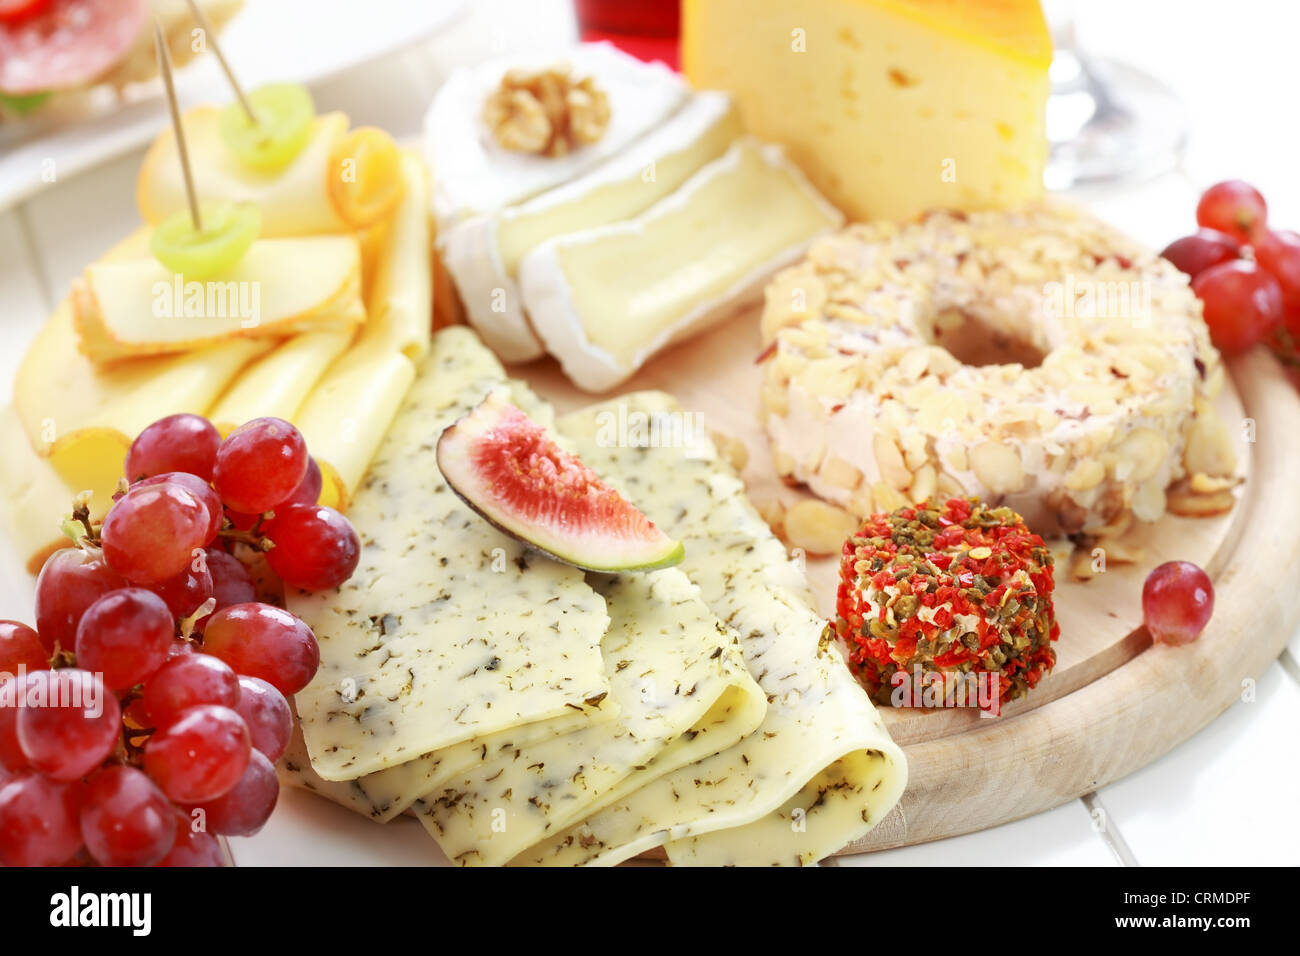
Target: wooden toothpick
210, 38
165, 68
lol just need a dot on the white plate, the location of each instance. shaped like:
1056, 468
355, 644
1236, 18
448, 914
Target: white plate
268, 40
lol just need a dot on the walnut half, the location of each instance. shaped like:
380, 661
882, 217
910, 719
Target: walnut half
546, 112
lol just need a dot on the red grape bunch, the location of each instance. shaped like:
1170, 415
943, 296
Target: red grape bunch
144, 714
1246, 276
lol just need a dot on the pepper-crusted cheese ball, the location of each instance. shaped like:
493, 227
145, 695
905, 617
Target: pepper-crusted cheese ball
959, 588
864, 402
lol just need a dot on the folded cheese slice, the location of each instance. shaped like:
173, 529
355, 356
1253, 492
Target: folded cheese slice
138, 307
278, 383
483, 252
295, 201
399, 302
35, 497
821, 770
679, 679
448, 630
474, 175
604, 300
81, 417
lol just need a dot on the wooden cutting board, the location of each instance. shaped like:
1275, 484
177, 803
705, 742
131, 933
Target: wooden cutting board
1114, 702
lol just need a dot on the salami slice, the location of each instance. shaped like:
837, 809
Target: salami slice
71, 43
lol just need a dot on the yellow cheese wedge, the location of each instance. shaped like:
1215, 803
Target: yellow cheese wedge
280, 287
400, 298
295, 201
892, 107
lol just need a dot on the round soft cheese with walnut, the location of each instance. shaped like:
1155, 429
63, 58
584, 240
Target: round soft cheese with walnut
1083, 392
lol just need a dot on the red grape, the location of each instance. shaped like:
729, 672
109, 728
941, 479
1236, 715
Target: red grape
1242, 303
13, 695
1278, 253
1177, 601
71, 580
193, 847
1235, 208
267, 714
125, 819
184, 593
259, 465
20, 646
316, 548
187, 681
200, 489
175, 443
38, 821
125, 636
231, 582
1194, 254
150, 534
71, 726
247, 806
308, 490
200, 756
264, 641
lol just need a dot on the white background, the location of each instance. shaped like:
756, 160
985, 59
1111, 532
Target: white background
1230, 795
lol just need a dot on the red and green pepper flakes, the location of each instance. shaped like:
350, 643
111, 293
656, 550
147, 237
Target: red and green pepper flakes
961, 560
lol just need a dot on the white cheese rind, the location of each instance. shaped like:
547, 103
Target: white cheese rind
821, 770
448, 630
679, 680
484, 264
547, 282
474, 175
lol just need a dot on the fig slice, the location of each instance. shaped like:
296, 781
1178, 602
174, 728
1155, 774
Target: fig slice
507, 468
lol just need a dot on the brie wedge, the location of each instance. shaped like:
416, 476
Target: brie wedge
473, 174
604, 300
483, 252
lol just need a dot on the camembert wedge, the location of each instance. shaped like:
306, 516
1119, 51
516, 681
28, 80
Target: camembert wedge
604, 300
483, 252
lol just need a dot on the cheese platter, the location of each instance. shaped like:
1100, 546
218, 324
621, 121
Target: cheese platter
642, 465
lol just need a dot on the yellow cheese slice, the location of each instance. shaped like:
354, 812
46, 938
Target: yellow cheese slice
821, 770
680, 681
281, 286
892, 107
448, 630
604, 300
400, 299
295, 201
35, 498
83, 417
278, 383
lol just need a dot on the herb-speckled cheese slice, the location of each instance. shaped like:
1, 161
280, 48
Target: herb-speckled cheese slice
448, 630
679, 679
821, 770
386, 794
